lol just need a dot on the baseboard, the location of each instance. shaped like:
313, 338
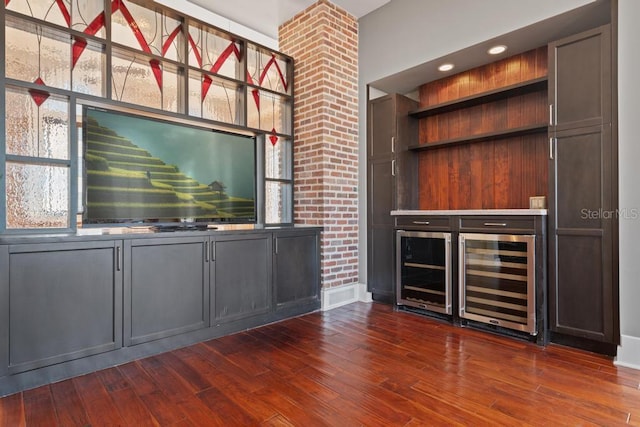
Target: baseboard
363, 295
628, 352
338, 296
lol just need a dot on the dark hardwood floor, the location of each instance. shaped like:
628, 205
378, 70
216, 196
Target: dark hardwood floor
362, 364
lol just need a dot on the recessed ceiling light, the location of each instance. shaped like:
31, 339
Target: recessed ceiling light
496, 50
445, 67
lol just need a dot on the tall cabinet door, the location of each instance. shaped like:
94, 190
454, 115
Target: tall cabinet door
582, 194
389, 132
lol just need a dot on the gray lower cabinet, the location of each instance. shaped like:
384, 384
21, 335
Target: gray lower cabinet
60, 301
241, 276
166, 287
296, 274
71, 305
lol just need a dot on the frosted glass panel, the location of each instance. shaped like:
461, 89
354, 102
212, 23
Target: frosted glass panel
214, 52
134, 81
33, 53
54, 11
144, 29
277, 202
220, 102
268, 111
267, 70
37, 196
89, 71
36, 131
195, 90
277, 157
86, 16
170, 84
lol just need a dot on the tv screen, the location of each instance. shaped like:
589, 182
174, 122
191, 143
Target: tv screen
139, 169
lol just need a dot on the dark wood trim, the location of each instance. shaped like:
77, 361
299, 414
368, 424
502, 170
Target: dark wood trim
521, 88
499, 134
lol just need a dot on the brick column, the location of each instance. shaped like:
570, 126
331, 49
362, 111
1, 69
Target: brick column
323, 40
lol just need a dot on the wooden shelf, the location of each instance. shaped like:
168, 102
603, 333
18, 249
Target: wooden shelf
481, 98
506, 133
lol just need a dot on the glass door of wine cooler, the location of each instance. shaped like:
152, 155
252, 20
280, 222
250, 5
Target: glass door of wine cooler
423, 270
497, 280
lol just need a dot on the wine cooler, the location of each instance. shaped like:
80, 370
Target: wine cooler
497, 280
424, 270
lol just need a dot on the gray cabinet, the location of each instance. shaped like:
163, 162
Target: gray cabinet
582, 193
390, 176
166, 287
296, 272
241, 276
60, 301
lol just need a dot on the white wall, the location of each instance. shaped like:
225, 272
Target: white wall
629, 193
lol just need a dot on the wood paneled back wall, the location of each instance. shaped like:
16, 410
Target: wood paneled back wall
493, 174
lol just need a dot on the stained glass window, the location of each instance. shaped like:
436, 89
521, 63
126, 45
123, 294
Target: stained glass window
149, 61
267, 69
268, 111
214, 52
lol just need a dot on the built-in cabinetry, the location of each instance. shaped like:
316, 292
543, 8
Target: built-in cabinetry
69, 305
390, 177
539, 123
582, 192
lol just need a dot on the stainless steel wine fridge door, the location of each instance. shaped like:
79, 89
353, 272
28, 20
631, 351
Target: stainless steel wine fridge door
423, 270
497, 280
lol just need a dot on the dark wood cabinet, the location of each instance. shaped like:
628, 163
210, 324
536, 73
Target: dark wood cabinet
166, 287
296, 273
391, 173
241, 275
582, 193
61, 301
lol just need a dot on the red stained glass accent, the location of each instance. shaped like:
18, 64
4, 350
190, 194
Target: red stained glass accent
80, 44
64, 11
273, 62
256, 97
273, 137
39, 96
206, 83
196, 52
169, 40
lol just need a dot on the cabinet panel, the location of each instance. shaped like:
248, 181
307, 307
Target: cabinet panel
166, 288
381, 187
65, 302
580, 79
242, 277
382, 128
381, 255
579, 305
296, 272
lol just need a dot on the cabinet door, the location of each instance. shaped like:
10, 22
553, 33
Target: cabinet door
65, 301
242, 276
580, 79
166, 287
582, 221
381, 127
296, 273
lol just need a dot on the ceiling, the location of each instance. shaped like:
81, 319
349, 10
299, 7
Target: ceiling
266, 15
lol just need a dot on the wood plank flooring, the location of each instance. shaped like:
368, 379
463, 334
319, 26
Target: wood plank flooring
362, 364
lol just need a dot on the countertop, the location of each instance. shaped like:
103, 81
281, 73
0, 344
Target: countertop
464, 212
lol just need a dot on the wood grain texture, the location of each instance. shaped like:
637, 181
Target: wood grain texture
361, 364
511, 169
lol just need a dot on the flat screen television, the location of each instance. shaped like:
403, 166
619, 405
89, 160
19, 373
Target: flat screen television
139, 169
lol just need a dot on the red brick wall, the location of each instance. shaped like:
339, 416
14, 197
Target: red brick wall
323, 40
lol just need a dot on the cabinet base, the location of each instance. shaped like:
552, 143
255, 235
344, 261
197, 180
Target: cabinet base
604, 348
